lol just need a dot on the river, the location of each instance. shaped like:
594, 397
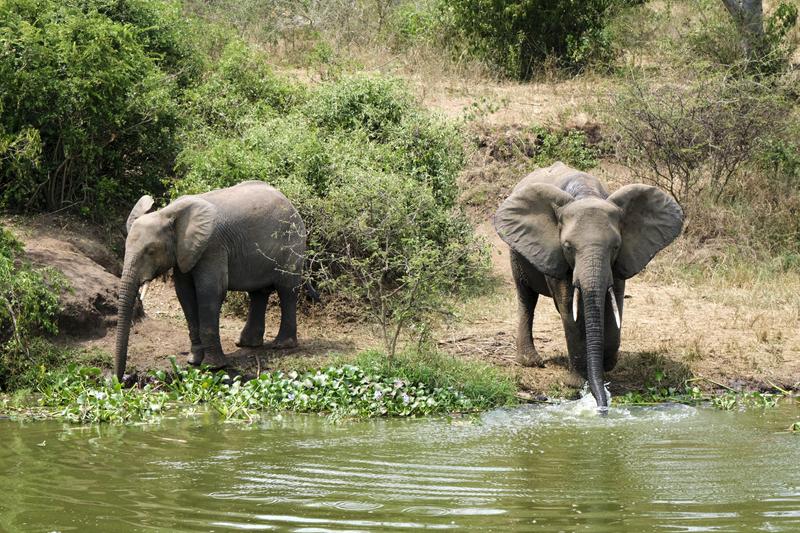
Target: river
535, 468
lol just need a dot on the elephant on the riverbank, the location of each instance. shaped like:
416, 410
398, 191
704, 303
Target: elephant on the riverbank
573, 242
244, 238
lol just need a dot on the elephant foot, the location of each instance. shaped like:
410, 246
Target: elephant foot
574, 380
197, 356
215, 361
530, 358
283, 344
247, 340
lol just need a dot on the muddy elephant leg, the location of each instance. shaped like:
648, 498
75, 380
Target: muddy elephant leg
185, 291
287, 333
210, 290
613, 333
573, 331
526, 306
253, 332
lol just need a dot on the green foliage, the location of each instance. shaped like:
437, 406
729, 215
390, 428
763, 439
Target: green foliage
80, 394
374, 177
387, 242
237, 92
28, 308
518, 35
568, 146
88, 111
370, 103
690, 393
713, 35
485, 385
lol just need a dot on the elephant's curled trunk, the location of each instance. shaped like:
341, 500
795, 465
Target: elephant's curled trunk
127, 300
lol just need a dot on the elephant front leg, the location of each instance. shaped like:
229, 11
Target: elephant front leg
185, 291
253, 333
210, 293
612, 331
573, 331
526, 305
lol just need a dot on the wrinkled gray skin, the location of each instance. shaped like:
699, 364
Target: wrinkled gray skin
244, 238
565, 231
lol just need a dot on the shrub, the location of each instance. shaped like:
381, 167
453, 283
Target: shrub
518, 35
28, 308
695, 137
374, 177
276, 151
374, 104
716, 35
90, 95
387, 242
725, 147
239, 90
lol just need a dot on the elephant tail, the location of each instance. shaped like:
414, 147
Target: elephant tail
311, 293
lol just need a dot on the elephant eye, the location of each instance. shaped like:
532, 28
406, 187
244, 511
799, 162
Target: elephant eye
568, 245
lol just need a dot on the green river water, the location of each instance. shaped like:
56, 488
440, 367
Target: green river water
538, 468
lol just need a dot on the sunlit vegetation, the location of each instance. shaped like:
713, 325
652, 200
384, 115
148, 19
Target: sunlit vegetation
406, 389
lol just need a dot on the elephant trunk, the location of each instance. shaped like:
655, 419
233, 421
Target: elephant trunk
594, 278
127, 299
594, 307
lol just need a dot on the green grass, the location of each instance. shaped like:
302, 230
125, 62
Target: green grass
412, 385
485, 385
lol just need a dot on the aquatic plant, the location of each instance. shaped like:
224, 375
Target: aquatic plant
82, 394
690, 393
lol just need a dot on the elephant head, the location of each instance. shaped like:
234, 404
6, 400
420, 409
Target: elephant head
176, 235
589, 242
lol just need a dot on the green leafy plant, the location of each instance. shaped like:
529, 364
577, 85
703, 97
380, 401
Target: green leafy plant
28, 308
88, 111
81, 394
519, 35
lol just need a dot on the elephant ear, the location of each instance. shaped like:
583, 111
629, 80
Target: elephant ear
194, 220
651, 220
528, 223
144, 205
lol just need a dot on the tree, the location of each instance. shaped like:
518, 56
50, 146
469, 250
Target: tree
749, 18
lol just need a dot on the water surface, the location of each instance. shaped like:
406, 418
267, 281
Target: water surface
666, 468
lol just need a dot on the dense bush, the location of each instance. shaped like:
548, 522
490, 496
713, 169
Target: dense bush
374, 177
88, 111
518, 35
716, 35
696, 137
28, 308
726, 148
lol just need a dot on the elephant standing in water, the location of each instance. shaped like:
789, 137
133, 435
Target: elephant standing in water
244, 238
573, 242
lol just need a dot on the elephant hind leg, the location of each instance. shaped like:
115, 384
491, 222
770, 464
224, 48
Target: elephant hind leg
253, 333
287, 333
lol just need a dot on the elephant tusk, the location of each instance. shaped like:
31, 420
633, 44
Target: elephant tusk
575, 297
143, 292
614, 307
